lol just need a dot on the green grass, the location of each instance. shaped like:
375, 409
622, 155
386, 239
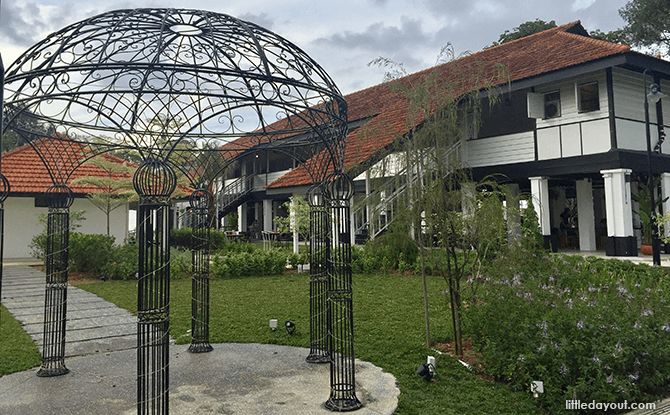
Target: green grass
389, 332
17, 350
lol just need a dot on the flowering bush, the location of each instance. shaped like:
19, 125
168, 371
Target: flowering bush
590, 329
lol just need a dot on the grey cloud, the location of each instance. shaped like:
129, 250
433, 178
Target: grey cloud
380, 38
21, 23
262, 19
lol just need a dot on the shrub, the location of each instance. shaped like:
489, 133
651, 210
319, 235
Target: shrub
217, 239
123, 262
241, 264
180, 264
384, 253
590, 329
181, 238
89, 252
296, 259
38, 244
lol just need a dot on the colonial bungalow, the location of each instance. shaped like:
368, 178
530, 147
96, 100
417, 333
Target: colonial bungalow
29, 179
570, 131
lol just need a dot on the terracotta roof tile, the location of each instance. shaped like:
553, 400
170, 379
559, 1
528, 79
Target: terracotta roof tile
533, 55
26, 172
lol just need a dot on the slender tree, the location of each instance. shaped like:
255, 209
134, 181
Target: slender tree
439, 207
114, 191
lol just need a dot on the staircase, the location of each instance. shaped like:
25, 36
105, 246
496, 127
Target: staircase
373, 215
234, 195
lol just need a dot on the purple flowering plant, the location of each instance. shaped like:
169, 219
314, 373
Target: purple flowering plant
594, 329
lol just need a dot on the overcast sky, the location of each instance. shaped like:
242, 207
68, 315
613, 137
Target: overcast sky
343, 36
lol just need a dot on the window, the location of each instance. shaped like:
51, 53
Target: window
552, 104
588, 98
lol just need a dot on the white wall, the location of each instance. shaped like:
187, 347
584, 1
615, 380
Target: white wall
512, 148
21, 223
574, 133
629, 91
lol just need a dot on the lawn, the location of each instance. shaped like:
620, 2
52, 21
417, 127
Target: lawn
17, 350
389, 332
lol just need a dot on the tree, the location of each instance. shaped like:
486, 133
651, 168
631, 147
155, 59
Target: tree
439, 207
648, 24
615, 36
25, 121
114, 191
524, 29
298, 217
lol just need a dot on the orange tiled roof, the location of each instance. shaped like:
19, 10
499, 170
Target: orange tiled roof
533, 55
27, 173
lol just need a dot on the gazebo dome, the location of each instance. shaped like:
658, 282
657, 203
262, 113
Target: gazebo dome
152, 78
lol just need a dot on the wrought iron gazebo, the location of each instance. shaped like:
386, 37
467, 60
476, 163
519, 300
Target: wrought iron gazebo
186, 93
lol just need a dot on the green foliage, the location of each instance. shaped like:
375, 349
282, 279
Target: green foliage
614, 36
531, 235
590, 329
122, 264
647, 24
89, 252
180, 264
114, 191
390, 251
297, 218
244, 264
181, 238
296, 259
643, 199
27, 122
524, 29
38, 244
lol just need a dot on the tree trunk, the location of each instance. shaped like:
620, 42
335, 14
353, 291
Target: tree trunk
455, 316
425, 298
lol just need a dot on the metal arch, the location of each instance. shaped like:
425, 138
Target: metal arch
221, 81
161, 80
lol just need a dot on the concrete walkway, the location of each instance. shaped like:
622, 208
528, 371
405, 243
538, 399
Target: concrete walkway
100, 353
93, 324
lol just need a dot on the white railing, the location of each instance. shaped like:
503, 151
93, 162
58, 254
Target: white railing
374, 214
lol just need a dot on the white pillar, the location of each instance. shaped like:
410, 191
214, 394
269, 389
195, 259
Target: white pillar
586, 216
618, 206
266, 215
539, 189
242, 217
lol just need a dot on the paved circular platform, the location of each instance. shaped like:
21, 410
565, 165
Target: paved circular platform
232, 379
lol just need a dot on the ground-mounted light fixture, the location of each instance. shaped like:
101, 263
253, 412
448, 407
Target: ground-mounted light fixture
273, 324
426, 371
290, 327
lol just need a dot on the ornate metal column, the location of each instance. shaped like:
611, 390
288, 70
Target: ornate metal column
318, 276
59, 199
201, 201
4, 183
4, 192
154, 181
339, 189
